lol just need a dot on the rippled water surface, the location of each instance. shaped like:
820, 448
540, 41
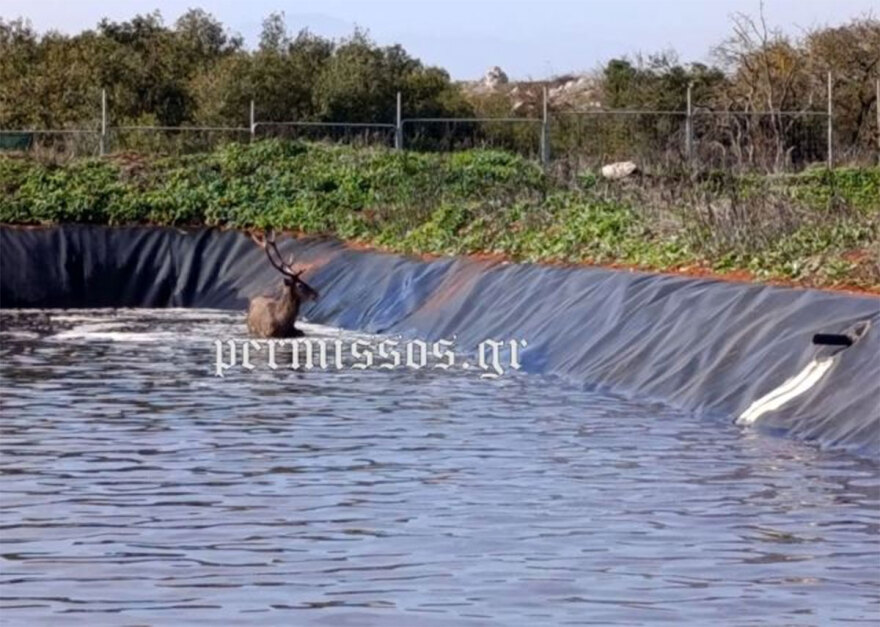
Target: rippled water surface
137, 488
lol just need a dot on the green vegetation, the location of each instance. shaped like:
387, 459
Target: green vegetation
198, 73
817, 227
195, 72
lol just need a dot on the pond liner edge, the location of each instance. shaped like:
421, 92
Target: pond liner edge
703, 345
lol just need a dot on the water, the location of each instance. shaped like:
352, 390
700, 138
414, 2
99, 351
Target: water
137, 488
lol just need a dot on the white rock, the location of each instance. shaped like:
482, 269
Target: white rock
619, 170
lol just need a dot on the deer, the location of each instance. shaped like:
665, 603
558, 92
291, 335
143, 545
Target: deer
276, 317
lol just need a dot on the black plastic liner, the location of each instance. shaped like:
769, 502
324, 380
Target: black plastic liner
703, 345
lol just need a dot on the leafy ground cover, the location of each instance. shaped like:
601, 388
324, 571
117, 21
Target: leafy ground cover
816, 228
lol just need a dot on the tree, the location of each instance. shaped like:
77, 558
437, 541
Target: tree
767, 86
851, 53
658, 83
205, 39
359, 82
19, 55
274, 37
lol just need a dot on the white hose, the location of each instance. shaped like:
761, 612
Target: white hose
797, 385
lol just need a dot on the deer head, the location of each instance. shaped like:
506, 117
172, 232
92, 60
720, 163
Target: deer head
292, 280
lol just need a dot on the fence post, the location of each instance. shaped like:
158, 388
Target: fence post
102, 148
398, 125
545, 131
253, 122
689, 126
830, 115
877, 107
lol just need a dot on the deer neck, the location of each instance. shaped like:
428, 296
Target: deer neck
289, 304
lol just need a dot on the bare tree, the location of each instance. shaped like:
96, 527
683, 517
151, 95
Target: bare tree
767, 76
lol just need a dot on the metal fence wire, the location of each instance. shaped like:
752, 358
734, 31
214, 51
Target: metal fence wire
588, 139
52, 145
355, 134
777, 141
172, 140
765, 141
520, 135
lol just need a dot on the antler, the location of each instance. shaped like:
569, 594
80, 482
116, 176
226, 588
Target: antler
267, 243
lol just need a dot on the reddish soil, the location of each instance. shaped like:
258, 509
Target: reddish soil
695, 271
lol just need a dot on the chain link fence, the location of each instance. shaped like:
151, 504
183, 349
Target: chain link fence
519, 135
754, 141
590, 139
760, 141
52, 145
172, 140
355, 134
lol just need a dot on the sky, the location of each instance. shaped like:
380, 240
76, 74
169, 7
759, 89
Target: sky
526, 38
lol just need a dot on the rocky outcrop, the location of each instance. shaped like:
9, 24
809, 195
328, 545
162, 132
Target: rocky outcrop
494, 78
567, 92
